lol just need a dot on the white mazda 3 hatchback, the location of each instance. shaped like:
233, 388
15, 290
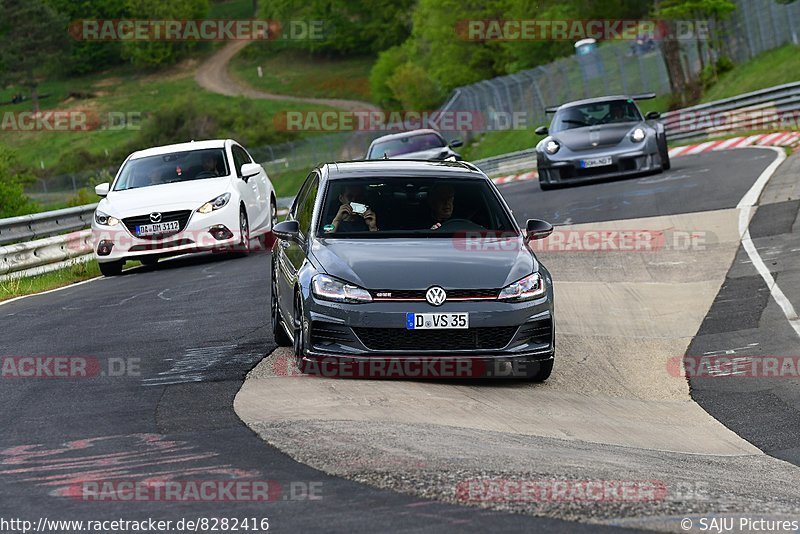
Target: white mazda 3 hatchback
189, 197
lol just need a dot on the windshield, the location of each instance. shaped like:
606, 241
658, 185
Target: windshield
406, 145
411, 207
171, 168
609, 112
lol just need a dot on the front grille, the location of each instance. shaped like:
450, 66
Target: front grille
167, 216
418, 340
417, 294
161, 246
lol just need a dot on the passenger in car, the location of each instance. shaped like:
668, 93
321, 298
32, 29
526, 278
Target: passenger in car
346, 220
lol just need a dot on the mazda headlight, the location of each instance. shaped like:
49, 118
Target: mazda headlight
215, 204
638, 135
105, 220
330, 288
552, 146
530, 287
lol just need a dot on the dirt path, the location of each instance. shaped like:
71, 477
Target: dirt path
213, 76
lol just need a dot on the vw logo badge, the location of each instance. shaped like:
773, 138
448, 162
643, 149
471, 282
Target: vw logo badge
435, 296
155, 217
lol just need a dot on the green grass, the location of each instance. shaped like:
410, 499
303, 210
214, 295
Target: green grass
294, 72
119, 91
776, 67
18, 287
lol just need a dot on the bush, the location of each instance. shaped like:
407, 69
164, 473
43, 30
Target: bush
414, 89
13, 200
388, 61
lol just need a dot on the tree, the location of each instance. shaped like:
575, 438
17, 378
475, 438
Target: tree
33, 37
13, 200
686, 84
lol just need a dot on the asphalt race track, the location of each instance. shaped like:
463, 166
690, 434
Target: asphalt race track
388, 455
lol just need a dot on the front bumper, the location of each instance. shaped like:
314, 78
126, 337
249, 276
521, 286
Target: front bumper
503, 339
554, 170
195, 236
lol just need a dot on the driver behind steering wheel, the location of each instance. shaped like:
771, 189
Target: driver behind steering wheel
441, 202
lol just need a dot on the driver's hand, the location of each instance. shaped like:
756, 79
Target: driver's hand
436, 226
371, 219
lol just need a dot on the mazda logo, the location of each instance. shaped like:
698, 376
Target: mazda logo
155, 217
435, 296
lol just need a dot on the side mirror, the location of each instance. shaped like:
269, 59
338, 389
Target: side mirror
456, 143
538, 229
101, 190
287, 230
652, 115
250, 169
541, 130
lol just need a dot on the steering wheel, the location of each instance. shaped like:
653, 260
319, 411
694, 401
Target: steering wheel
460, 224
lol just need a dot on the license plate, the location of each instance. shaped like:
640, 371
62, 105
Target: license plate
436, 321
595, 162
158, 228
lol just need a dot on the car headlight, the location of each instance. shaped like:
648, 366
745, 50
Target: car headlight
528, 288
552, 146
105, 220
330, 288
215, 204
638, 135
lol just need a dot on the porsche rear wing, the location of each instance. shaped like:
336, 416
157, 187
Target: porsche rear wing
641, 96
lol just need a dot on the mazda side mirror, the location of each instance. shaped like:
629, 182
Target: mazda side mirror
249, 170
101, 190
652, 115
455, 143
538, 229
541, 130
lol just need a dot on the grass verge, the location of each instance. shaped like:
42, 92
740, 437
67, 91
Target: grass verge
294, 72
775, 67
77, 272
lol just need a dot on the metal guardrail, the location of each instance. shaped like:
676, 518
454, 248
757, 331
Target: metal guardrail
765, 109
44, 255
49, 223
522, 160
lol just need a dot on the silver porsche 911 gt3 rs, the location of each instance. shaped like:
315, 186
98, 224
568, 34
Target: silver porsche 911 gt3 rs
598, 138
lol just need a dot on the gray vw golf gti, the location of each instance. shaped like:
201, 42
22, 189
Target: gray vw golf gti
397, 261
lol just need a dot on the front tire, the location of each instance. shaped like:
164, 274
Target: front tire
664, 152
149, 261
545, 369
112, 268
545, 186
244, 230
279, 334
